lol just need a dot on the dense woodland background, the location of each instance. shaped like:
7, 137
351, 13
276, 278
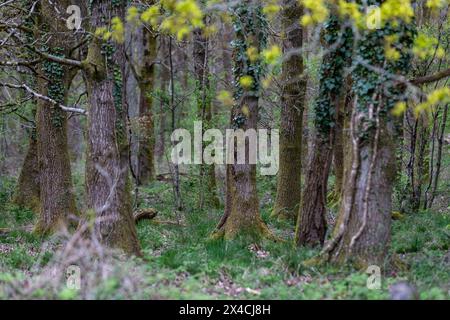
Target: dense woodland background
86, 115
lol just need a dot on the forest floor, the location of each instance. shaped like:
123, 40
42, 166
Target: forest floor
181, 262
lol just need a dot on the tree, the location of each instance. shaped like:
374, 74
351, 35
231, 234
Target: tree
28, 188
362, 229
311, 223
107, 181
146, 80
292, 104
57, 202
242, 216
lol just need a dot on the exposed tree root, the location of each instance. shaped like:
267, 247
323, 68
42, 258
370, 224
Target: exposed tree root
148, 213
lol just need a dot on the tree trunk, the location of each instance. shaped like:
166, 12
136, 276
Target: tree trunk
28, 187
422, 162
339, 138
311, 222
292, 104
362, 229
107, 181
242, 217
146, 172
227, 37
57, 202
366, 205
437, 171
311, 226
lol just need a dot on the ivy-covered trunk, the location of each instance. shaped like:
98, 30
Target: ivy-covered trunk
242, 217
362, 230
57, 202
311, 222
292, 105
107, 181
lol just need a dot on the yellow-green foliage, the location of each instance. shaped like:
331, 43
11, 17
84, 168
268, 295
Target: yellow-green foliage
176, 17
272, 55
438, 96
246, 81
392, 11
441, 95
426, 46
116, 31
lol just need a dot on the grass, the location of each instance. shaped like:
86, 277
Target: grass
181, 262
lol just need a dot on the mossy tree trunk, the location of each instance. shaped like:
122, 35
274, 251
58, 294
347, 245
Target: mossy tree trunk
362, 231
242, 217
107, 179
28, 187
311, 222
292, 105
146, 166
57, 202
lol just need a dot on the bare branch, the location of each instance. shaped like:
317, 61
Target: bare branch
66, 61
42, 97
432, 78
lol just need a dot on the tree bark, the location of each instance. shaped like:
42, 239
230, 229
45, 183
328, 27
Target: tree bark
57, 202
311, 222
339, 139
28, 187
362, 230
107, 181
366, 204
146, 172
242, 217
292, 105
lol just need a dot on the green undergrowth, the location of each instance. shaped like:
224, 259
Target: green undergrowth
182, 262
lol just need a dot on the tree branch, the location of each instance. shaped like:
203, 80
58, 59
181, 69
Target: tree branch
432, 78
66, 61
42, 97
